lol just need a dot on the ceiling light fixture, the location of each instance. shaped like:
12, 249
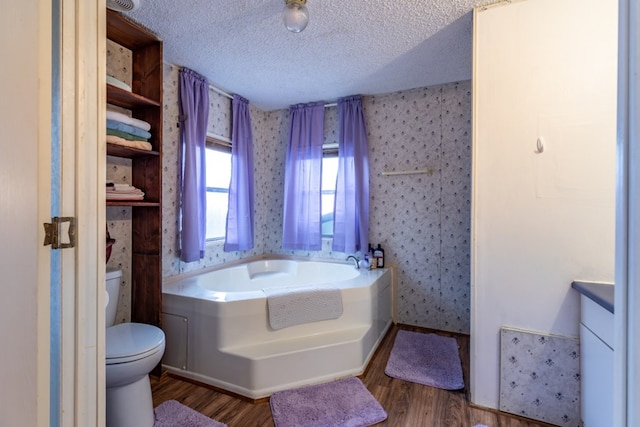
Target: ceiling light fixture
295, 15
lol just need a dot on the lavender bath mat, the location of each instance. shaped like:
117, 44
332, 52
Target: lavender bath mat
427, 359
174, 414
343, 403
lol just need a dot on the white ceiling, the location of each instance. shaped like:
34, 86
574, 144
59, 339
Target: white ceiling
349, 47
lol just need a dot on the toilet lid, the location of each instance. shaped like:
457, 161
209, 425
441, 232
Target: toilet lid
127, 340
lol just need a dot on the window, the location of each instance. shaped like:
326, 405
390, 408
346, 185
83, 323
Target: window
218, 158
328, 187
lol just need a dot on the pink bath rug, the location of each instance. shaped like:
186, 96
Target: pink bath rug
172, 413
427, 359
342, 403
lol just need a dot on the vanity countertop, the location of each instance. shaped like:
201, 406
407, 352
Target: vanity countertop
601, 293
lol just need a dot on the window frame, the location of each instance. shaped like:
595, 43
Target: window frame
221, 144
330, 150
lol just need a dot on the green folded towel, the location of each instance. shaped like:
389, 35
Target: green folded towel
125, 135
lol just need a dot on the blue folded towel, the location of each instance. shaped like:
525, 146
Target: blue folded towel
123, 127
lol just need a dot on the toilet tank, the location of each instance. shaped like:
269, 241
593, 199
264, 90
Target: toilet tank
113, 291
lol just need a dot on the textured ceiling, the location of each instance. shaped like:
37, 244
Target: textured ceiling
349, 47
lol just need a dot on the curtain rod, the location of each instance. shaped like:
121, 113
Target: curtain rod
228, 95
220, 91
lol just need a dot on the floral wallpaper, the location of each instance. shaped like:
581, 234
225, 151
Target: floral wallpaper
119, 63
540, 376
422, 221
119, 170
119, 226
170, 171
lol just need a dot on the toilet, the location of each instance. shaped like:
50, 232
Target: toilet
132, 351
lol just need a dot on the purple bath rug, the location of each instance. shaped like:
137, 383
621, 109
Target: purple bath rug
174, 414
427, 359
342, 403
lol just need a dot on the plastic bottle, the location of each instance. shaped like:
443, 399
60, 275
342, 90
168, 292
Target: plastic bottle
366, 261
373, 262
378, 255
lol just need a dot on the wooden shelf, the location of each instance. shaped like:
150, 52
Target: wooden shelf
133, 203
128, 152
132, 35
145, 103
125, 99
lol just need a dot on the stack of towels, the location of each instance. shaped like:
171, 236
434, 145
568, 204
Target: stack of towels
123, 192
128, 131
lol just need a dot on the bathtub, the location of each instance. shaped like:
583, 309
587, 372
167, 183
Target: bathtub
218, 333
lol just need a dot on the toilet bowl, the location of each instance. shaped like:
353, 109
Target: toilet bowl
132, 351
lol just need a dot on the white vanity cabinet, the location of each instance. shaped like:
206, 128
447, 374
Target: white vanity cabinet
596, 354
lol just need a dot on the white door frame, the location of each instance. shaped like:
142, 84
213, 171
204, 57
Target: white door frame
83, 88
627, 290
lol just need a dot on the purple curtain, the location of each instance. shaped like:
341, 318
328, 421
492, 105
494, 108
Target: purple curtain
302, 179
194, 113
239, 235
351, 213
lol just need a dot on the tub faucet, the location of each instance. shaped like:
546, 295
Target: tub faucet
356, 261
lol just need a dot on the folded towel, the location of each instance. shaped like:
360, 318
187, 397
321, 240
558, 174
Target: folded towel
294, 306
140, 145
123, 192
125, 195
111, 196
125, 135
123, 127
123, 188
118, 83
115, 115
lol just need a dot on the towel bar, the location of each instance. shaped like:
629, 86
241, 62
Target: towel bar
427, 171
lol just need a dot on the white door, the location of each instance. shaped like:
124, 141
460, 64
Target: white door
24, 202
51, 379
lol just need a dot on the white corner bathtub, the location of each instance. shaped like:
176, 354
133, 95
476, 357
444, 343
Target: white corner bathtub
217, 327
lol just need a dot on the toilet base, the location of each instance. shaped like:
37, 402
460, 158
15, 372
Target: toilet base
130, 405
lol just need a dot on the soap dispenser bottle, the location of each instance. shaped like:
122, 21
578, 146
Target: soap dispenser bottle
373, 262
378, 256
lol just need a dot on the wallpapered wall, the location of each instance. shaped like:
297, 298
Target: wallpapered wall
119, 170
540, 376
421, 220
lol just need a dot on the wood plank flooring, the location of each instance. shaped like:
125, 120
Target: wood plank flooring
407, 404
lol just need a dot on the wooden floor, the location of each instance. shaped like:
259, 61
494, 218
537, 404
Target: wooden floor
407, 404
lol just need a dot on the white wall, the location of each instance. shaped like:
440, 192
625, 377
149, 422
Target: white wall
543, 68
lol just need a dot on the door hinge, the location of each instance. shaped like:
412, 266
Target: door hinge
53, 232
